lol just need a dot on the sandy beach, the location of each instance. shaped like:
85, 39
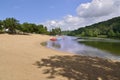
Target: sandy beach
18, 53
20, 56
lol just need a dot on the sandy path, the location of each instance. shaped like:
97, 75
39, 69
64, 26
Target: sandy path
18, 53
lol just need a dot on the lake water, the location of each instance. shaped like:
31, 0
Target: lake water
105, 48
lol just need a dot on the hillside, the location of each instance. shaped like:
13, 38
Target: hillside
109, 28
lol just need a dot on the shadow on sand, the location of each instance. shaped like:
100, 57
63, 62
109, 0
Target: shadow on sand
80, 68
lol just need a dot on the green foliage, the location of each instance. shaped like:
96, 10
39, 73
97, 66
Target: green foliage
33, 28
56, 31
109, 28
65, 32
28, 27
10, 24
43, 43
1, 26
14, 27
111, 33
41, 29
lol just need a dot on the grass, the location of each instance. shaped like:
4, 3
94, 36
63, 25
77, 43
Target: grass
43, 43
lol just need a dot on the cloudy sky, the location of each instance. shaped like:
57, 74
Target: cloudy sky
67, 14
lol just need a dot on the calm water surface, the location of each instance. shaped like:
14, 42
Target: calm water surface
105, 48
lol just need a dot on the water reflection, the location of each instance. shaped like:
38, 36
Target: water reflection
70, 44
111, 47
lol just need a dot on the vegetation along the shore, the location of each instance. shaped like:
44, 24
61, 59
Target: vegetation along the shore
106, 29
12, 26
109, 29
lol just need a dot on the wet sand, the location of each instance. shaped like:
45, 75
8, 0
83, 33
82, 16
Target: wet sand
23, 58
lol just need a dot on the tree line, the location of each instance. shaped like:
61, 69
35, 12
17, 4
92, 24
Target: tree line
109, 28
12, 26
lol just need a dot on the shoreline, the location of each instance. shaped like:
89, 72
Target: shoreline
19, 54
110, 59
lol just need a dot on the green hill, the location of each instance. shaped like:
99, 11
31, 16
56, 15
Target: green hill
109, 28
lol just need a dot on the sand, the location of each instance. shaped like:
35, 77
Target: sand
23, 58
18, 53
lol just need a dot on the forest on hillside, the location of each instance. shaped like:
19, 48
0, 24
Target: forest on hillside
109, 28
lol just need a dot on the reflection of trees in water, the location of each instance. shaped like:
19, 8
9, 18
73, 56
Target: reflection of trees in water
112, 47
56, 45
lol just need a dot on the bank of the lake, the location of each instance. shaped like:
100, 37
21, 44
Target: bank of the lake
22, 57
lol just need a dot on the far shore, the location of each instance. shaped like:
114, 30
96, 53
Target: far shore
22, 57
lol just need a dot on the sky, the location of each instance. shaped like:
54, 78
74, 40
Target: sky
66, 14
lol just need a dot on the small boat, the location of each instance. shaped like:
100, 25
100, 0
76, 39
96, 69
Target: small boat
53, 39
59, 39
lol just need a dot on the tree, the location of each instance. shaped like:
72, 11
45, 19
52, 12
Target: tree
29, 27
13, 26
83, 33
111, 33
10, 24
96, 32
42, 29
1, 26
110, 28
33, 28
56, 31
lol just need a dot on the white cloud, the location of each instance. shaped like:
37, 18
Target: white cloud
88, 13
69, 22
97, 8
